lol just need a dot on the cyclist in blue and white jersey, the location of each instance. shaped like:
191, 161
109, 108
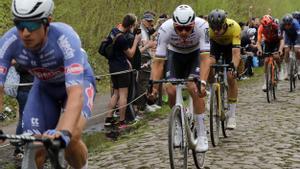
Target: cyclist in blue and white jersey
64, 80
183, 41
290, 28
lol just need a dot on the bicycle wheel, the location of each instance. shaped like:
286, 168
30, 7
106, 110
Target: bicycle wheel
225, 108
269, 87
177, 141
274, 83
198, 157
214, 118
292, 75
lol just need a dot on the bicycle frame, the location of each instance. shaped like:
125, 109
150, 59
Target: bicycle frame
179, 102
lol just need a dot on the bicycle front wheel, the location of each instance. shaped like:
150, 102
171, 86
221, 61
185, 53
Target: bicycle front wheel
198, 157
177, 141
269, 86
214, 116
225, 108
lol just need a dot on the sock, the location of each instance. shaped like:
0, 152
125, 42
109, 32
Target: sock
86, 165
232, 108
200, 126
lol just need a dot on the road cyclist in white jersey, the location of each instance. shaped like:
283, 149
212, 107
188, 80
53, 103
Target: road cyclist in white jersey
184, 43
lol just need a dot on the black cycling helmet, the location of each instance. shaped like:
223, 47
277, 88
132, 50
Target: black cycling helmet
216, 19
287, 19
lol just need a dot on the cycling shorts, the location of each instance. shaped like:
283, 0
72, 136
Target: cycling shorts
270, 47
180, 66
45, 104
290, 41
216, 50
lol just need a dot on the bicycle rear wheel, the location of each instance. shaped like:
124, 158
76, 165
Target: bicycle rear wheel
269, 86
177, 141
198, 157
225, 108
214, 117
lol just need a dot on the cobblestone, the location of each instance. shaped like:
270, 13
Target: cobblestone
267, 137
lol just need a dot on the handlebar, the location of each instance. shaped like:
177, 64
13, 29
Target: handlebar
176, 82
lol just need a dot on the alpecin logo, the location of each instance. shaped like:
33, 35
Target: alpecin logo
74, 68
46, 74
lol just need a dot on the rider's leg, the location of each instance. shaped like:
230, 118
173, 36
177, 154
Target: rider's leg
232, 95
171, 90
297, 51
199, 113
76, 153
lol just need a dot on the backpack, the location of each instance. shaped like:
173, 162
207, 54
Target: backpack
107, 45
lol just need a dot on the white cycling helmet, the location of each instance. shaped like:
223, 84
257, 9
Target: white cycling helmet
251, 32
183, 15
32, 9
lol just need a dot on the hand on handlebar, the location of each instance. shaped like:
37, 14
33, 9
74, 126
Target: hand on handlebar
63, 135
152, 96
233, 70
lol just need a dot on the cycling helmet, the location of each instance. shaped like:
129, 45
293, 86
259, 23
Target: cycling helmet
251, 32
287, 19
183, 15
266, 20
32, 9
217, 18
296, 15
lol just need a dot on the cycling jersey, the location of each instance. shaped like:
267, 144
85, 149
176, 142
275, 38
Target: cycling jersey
169, 39
230, 37
59, 64
60, 60
270, 34
291, 35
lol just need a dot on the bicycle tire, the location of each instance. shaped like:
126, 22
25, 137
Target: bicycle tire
291, 73
199, 158
225, 108
175, 118
269, 83
274, 83
214, 118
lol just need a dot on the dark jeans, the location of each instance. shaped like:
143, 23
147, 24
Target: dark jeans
21, 98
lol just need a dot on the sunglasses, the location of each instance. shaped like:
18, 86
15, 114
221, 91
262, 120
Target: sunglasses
181, 28
29, 25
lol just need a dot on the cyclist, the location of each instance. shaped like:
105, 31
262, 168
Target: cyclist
296, 15
291, 32
64, 80
269, 32
225, 39
183, 40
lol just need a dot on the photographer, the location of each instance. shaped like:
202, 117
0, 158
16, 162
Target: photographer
118, 63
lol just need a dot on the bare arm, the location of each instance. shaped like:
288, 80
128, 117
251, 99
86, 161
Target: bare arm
236, 56
157, 69
205, 63
73, 108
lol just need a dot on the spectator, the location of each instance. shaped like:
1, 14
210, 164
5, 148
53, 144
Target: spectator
119, 62
147, 27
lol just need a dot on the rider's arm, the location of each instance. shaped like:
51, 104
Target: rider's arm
73, 108
205, 60
259, 38
236, 43
157, 67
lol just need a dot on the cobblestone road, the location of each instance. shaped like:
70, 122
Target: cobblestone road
267, 136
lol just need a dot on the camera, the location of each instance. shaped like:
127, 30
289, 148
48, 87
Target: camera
137, 31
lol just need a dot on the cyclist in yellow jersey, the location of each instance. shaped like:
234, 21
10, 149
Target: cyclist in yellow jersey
225, 39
